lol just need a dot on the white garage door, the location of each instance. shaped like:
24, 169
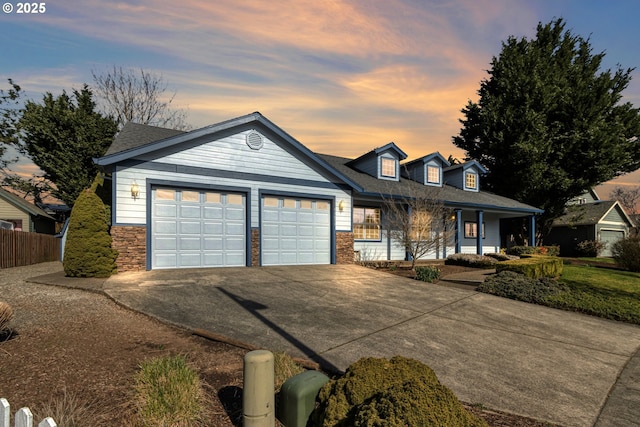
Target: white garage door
295, 231
610, 237
195, 228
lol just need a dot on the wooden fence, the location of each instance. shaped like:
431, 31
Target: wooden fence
23, 418
22, 248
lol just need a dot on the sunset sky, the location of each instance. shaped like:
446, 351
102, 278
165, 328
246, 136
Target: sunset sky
340, 76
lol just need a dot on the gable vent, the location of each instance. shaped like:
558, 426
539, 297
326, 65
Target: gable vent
255, 141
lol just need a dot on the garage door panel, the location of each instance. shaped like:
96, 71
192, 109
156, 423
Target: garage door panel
165, 211
212, 228
189, 227
294, 231
165, 227
190, 211
197, 229
212, 212
166, 243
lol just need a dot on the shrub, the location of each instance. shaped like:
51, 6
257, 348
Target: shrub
534, 250
502, 257
590, 248
427, 273
626, 252
284, 368
534, 266
70, 410
471, 260
509, 284
169, 393
88, 251
395, 392
6, 314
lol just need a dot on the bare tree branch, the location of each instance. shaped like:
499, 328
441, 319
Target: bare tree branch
140, 97
418, 222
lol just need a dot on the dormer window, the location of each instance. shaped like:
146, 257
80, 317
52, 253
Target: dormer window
433, 174
388, 167
471, 181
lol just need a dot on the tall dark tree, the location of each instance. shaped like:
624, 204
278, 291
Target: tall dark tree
9, 115
550, 123
61, 136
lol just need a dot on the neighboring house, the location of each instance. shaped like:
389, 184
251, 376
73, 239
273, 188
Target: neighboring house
23, 215
245, 193
589, 218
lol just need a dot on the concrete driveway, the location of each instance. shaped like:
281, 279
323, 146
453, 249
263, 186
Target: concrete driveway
507, 355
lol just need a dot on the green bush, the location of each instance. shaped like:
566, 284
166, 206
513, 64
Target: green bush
427, 273
395, 392
169, 393
509, 284
88, 251
590, 248
626, 252
533, 266
471, 260
534, 250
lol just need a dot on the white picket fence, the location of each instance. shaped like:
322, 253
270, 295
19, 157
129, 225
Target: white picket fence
24, 417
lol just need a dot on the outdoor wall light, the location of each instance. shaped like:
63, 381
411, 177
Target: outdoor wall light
135, 190
341, 205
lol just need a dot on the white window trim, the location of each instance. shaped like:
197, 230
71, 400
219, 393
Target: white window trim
365, 208
395, 168
475, 180
426, 172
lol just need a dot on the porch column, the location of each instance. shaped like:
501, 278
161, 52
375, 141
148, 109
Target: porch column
458, 230
532, 230
479, 219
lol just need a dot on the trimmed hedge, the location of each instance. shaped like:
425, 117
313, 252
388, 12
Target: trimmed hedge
533, 266
395, 393
471, 260
509, 284
88, 251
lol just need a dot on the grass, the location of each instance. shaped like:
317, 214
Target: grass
603, 292
169, 393
598, 260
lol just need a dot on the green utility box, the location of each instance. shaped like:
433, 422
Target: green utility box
298, 397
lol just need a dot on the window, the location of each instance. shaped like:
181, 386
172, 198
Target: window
388, 167
470, 180
433, 174
234, 199
420, 226
289, 203
213, 197
190, 196
366, 223
165, 194
471, 230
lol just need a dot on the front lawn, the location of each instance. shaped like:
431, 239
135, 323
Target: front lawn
603, 292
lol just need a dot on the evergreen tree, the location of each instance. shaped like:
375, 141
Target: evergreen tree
549, 123
62, 136
88, 251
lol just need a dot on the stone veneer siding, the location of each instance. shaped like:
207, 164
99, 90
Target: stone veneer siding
255, 247
344, 247
131, 244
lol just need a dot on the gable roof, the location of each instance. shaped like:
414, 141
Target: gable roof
427, 158
467, 165
141, 139
589, 214
452, 196
22, 204
133, 135
391, 146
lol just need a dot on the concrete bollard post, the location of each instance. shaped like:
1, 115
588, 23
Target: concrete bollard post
258, 395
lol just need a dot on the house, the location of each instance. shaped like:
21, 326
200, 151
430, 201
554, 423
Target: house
589, 218
24, 216
244, 192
